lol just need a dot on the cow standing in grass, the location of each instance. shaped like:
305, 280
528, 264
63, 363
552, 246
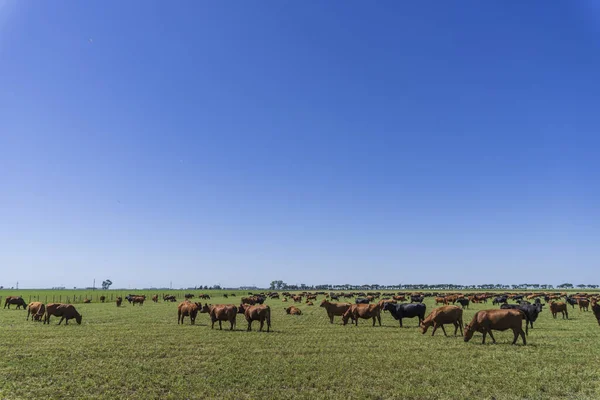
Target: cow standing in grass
65, 311
259, 313
15, 300
221, 312
364, 311
188, 309
500, 320
443, 315
559, 307
334, 309
36, 309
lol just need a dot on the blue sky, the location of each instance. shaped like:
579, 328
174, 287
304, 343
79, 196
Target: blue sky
313, 142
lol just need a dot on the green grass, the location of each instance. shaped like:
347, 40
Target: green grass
141, 352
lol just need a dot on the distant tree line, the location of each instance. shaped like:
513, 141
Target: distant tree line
281, 285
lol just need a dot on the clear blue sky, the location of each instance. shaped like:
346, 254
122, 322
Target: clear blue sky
309, 141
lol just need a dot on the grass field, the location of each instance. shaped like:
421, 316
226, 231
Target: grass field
141, 352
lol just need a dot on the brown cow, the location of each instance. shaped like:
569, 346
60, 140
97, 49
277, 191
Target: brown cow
65, 311
310, 303
188, 309
559, 307
443, 315
36, 309
155, 298
293, 310
335, 309
102, 299
399, 298
596, 310
297, 299
584, 304
138, 299
259, 313
284, 300
364, 311
440, 300
87, 301
119, 301
485, 321
383, 301
221, 312
18, 300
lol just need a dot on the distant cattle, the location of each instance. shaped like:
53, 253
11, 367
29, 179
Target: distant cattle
15, 300
170, 298
293, 310
399, 298
225, 295
441, 316
87, 301
133, 299
259, 313
531, 312
188, 296
364, 311
102, 299
361, 300
559, 307
309, 303
334, 309
119, 301
584, 304
485, 321
64, 311
36, 309
155, 298
400, 311
297, 299
441, 300
188, 309
464, 302
221, 312
416, 299
500, 300
205, 296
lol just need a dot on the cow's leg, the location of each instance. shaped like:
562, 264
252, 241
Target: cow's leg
456, 325
523, 337
492, 336
250, 325
567, 314
484, 335
213, 324
379, 319
330, 315
443, 329
61, 320
374, 320
400, 320
434, 329
516, 335
262, 323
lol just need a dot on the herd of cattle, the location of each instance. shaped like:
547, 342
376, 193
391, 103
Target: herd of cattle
526, 306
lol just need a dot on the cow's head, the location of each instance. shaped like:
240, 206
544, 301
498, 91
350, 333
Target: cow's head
241, 308
346, 316
468, 332
78, 318
205, 308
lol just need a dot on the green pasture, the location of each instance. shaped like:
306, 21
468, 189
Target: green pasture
141, 353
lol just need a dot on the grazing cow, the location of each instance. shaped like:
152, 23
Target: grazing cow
169, 297
364, 311
259, 313
36, 309
405, 310
225, 295
17, 300
571, 301
443, 315
596, 310
293, 310
334, 308
559, 307
204, 296
221, 312
583, 304
155, 298
102, 299
500, 300
416, 299
441, 300
188, 296
136, 299
531, 312
87, 301
64, 311
232, 294
399, 298
464, 302
119, 301
297, 299
188, 309
485, 321
334, 296
360, 300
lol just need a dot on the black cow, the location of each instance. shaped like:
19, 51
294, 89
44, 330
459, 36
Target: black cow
405, 310
500, 300
463, 302
362, 301
531, 312
416, 299
571, 301
518, 298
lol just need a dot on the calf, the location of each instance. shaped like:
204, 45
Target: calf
188, 309
463, 302
364, 311
102, 299
221, 312
500, 320
400, 311
559, 307
65, 311
155, 298
335, 309
584, 304
293, 310
259, 313
443, 315
36, 309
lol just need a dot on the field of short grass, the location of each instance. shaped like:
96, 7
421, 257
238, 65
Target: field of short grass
141, 353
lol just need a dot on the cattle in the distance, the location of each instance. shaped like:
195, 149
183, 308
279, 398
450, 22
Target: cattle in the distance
188, 296
464, 302
204, 297
169, 297
485, 321
559, 307
134, 299
584, 304
441, 316
400, 311
119, 301
102, 299
416, 299
36, 309
261, 313
334, 309
64, 311
500, 300
87, 301
155, 298
361, 300
188, 309
364, 311
15, 300
221, 312
293, 310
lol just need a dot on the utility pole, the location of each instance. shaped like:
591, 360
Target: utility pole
17, 285
94, 286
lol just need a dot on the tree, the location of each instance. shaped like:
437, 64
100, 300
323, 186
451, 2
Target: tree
106, 284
